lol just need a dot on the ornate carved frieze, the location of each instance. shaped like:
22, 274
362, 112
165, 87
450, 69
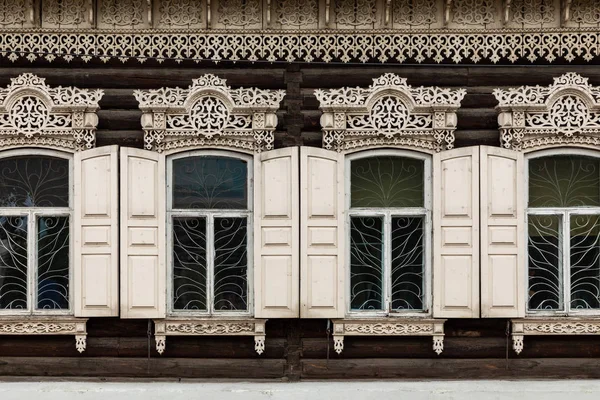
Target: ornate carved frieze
32, 113
551, 326
533, 12
566, 112
180, 13
355, 12
209, 113
239, 13
209, 327
64, 12
473, 12
415, 12
389, 112
46, 326
14, 12
389, 327
585, 12
122, 12
297, 13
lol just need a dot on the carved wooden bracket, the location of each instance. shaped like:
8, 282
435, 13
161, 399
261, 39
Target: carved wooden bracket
38, 325
551, 326
389, 327
209, 327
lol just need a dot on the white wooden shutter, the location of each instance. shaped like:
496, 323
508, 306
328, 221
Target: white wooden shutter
502, 237
96, 221
276, 253
456, 233
143, 242
322, 238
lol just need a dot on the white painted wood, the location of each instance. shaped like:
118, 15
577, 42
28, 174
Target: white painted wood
456, 233
143, 273
276, 234
322, 270
96, 221
502, 236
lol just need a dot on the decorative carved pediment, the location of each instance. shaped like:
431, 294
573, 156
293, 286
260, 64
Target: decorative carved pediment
209, 113
33, 113
389, 112
566, 112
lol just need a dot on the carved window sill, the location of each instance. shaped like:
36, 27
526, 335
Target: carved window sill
551, 326
47, 326
389, 327
209, 327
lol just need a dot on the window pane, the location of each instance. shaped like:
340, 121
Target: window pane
407, 263
366, 263
231, 264
545, 270
34, 182
585, 258
189, 264
564, 181
13, 263
210, 182
386, 181
53, 263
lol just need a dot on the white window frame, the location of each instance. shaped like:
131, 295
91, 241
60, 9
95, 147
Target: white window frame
565, 213
32, 214
210, 215
387, 213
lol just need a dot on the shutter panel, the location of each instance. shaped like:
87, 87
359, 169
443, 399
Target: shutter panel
322, 234
143, 273
502, 235
456, 233
96, 234
276, 253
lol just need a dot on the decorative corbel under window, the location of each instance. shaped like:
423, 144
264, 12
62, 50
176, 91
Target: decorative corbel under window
209, 113
34, 114
566, 112
389, 112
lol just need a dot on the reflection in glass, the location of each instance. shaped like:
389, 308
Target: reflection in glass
189, 263
231, 264
366, 263
545, 267
13, 263
210, 182
585, 262
407, 263
53, 263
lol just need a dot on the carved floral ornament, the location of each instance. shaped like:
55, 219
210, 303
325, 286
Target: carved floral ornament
389, 112
209, 113
32, 113
566, 112
551, 326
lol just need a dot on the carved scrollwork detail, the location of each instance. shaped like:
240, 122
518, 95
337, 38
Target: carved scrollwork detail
473, 12
415, 12
551, 326
180, 12
39, 325
13, 12
388, 328
64, 12
585, 12
296, 13
122, 12
533, 12
239, 12
355, 12
216, 328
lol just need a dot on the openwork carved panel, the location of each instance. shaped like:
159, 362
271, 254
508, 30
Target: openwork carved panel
209, 113
13, 12
47, 326
355, 12
389, 112
533, 12
240, 13
64, 12
585, 12
551, 326
180, 13
566, 112
473, 12
122, 12
296, 13
33, 113
415, 12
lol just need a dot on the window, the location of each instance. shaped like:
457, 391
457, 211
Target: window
563, 233
389, 221
35, 240
209, 215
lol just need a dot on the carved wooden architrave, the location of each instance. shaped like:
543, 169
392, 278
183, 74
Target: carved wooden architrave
389, 327
55, 325
389, 112
209, 113
34, 114
209, 327
551, 326
564, 113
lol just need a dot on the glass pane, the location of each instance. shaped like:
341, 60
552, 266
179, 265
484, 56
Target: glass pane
585, 267
210, 182
34, 182
564, 181
189, 264
407, 263
53, 263
13, 263
231, 264
545, 269
366, 263
386, 181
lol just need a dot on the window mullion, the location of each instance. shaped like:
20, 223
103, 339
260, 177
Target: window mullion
387, 262
566, 267
32, 260
210, 259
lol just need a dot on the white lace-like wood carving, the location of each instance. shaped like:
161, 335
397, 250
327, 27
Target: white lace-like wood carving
389, 112
13, 12
209, 113
355, 12
32, 113
566, 112
122, 12
296, 13
47, 326
209, 327
64, 12
473, 12
239, 12
389, 327
180, 13
585, 12
415, 12
533, 12
551, 326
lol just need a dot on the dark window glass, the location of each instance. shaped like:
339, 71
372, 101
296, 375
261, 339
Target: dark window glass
407, 263
366, 263
53, 263
189, 263
231, 264
13, 263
